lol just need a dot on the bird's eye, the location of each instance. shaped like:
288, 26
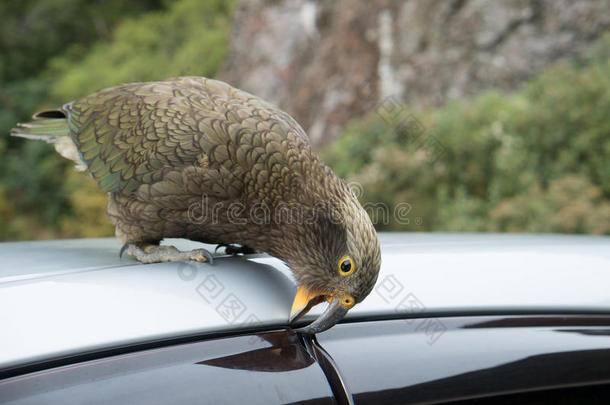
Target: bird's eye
346, 266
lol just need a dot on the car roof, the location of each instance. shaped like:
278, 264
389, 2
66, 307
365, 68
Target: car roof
65, 297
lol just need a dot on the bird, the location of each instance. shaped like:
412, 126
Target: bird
192, 157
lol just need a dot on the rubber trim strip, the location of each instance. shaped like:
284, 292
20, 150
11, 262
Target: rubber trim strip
330, 369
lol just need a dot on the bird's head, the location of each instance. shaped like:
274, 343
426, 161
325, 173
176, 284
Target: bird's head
336, 258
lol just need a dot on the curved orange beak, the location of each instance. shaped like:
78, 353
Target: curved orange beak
305, 300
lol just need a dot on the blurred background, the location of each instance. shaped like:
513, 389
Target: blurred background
469, 115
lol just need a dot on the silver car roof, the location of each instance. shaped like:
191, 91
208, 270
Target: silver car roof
67, 297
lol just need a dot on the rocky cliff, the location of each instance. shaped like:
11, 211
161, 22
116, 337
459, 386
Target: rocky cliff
329, 61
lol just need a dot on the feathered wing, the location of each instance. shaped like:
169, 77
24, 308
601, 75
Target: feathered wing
137, 133
227, 140
132, 134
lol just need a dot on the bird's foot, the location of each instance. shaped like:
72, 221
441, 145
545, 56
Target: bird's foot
234, 249
160, 254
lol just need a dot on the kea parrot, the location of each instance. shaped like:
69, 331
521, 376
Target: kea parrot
196, 158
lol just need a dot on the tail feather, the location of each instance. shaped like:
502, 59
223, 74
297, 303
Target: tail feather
51, 127
42, 129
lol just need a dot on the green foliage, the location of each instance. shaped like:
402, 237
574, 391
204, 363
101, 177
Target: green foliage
52, 51
89, 208
187, 39
569, 205
33, 31
40, 190
6, 211
533, 161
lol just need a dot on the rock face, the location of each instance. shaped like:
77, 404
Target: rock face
329, 61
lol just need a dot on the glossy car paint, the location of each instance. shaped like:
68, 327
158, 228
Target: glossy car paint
443, 359
65, 298
78, 296
389, 362
271, 368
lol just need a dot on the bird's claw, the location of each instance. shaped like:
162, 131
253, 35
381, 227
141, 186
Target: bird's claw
201, 255
161, 254
123, 249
